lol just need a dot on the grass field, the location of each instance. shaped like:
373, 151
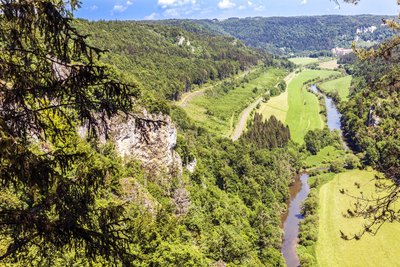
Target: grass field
324, 157
277, 106
330, 65
218, 113
331, 250
303, 61
340, 85
303, 113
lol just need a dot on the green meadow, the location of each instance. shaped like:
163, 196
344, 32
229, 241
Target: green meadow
341, 85
218, 112
382, 249
303, 61
304, 110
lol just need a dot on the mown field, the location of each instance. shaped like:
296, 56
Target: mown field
277, 106
331, 250
341, 85
303, 113
303, 61
218, 112
330, 64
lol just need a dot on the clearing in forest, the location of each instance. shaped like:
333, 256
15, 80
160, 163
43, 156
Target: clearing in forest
218, 111
304, 109
341, 85
330, 65
303, 61
382, 249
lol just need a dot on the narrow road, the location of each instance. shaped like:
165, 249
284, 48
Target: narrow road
241, 125
243, 119
187, 97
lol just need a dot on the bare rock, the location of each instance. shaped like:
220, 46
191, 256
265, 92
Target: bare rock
149, 138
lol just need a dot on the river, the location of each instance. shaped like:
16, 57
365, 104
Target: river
299, 191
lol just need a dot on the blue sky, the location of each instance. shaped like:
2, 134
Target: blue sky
221, 9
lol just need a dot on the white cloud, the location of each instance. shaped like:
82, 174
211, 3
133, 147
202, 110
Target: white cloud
122, 7
93, 8
152, 16
119, 8
259, 8
226, 4
172, 13
175, 3
304, 2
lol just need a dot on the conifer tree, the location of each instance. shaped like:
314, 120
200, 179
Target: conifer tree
50, 81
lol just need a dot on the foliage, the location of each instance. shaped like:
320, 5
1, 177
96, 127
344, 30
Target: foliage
297, 34
219, 108
238, 191
324, 157
270, 133
317, 139
370, 119
168, 61
50, 82
308, 231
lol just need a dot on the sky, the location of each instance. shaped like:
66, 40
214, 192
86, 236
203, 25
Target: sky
222, 9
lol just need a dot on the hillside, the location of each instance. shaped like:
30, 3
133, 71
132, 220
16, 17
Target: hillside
169, 60
193, 142
286, 35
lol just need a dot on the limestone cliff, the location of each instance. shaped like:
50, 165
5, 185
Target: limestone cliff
149, 138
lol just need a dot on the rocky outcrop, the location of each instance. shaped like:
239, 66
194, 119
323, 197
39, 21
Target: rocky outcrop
149, 138
132, 191
373, 119
191, 166
182, 201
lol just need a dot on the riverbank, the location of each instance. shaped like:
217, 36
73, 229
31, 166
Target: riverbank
300, 191
218, 109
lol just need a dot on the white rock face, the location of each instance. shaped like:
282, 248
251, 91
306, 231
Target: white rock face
191, 166
181, 40
153, 145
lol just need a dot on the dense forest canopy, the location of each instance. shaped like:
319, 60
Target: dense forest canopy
71, 199
68, 200
284, 35
169, 61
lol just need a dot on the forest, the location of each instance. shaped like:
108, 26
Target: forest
285, 35
102, 163
169, 61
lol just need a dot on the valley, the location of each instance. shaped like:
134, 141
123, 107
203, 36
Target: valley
219, 108
148, 135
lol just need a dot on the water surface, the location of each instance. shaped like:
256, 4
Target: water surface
299, 191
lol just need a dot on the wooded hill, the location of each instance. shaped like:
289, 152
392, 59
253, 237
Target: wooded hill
170, 60
296, 34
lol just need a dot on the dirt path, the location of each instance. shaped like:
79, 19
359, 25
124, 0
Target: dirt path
241, 125
187, 97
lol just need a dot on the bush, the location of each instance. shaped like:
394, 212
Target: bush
336, 166
352, 161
